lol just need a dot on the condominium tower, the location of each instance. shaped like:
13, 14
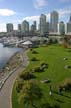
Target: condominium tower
61, 28
19, 27
9, 27
54, 21
25, 26
42, 24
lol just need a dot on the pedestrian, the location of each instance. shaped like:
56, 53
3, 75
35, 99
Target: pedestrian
50, 93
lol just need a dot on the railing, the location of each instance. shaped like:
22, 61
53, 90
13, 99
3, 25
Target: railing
4, 80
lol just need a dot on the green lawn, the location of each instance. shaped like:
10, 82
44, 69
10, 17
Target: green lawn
54, 56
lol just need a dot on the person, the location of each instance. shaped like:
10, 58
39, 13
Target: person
50, 93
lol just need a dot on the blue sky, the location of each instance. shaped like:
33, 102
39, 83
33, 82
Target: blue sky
15, 11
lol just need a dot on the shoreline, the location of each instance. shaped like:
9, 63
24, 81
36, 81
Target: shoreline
6, 91
8, 60
12, 64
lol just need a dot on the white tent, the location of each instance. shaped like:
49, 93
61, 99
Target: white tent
27, 43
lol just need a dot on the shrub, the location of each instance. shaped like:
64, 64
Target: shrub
64, 45
44, 65
31, 49
34, 59
66, 85
34, 52
26, 75
19, 85
50, 41
53, 41
39, 69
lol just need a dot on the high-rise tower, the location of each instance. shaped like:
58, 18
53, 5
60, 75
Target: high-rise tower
25, 26
70, 18
42, 24
9, 27
54, 21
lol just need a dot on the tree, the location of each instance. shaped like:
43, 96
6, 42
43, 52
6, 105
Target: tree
19, 84
65, 43
30, 94
65, 39
50, 41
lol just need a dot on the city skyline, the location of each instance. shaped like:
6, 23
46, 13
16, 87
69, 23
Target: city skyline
15, 11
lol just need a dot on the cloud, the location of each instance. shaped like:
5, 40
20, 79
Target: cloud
65, 11
48, 17
6, 12
39, 4
2, 27
34, 18
31, 18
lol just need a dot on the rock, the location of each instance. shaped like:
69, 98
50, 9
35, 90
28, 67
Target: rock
67, 66
65, 58
45, 81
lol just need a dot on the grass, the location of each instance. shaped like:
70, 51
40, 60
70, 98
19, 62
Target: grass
54, 56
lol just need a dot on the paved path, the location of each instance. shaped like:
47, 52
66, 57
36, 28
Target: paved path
6, 91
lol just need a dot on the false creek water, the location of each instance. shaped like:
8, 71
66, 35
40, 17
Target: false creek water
6, 53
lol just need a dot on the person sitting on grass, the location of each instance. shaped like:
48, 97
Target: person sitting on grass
50, 93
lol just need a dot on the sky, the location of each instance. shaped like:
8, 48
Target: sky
15, 11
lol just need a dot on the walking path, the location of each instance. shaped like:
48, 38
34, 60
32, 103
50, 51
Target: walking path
6, 91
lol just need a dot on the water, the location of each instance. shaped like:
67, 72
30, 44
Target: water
6, 53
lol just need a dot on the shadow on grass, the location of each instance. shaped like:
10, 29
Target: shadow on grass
57, 99
66, 96
61, 94
60, 101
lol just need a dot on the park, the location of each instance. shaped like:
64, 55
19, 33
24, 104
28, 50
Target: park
49, 68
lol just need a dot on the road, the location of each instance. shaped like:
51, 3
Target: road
6, 91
